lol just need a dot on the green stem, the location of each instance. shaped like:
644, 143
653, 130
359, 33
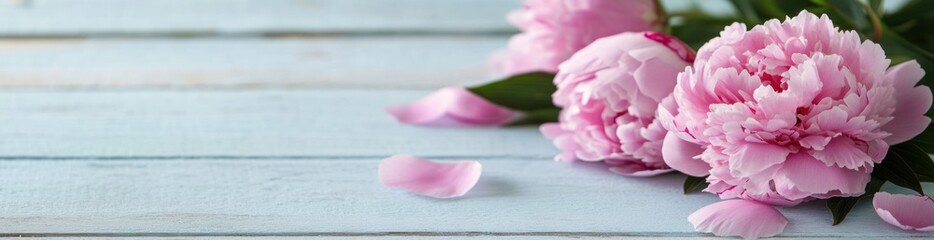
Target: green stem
876, 23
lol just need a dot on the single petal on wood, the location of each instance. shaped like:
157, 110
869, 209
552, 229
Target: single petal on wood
428, 178
738, 217
909, 212
452, 106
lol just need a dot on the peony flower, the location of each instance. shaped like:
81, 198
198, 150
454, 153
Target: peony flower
794, 110
552, 30
452, 106
427, 178
609, 92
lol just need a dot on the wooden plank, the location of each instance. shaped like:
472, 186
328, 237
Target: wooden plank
234, 123
341, 197
355, 62
30, 18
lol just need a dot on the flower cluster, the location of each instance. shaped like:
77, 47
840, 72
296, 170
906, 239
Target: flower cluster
773, 115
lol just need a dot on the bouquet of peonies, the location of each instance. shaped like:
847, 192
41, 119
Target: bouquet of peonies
830, 103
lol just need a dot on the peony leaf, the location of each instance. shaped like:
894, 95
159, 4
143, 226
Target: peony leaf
851, 11
897, 46
894, 168
925, 140
840, 206
920, 162
746, 11
694, 184
539, 116
526, 92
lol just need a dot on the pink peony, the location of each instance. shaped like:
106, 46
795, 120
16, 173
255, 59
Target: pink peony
552, 30
609, 92
794, 110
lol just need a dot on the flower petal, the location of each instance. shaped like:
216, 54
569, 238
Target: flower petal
636, 169
909, 212
427, 178
753, 158
912, 103
737, 217
682, 156
802, 175
452, 106
843, 152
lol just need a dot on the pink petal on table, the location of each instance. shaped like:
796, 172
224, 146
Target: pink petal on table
909, 212
682, 156
738, 217
452, 106
427, 178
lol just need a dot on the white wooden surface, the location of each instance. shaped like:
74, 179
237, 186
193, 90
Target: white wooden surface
265, 119
249, 17
324, 62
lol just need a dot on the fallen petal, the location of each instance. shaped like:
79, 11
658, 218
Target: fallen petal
909, 212
452, 106
738, 217
428, 178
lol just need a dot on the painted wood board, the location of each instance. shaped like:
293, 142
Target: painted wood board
328, 62
239, 123
250, 17
342, 196
181, 18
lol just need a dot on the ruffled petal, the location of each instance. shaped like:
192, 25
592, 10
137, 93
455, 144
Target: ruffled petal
753, 158
682, 156
737, 217
843, 152
912, 103
802, 175
452, 106
909, 212
427, 178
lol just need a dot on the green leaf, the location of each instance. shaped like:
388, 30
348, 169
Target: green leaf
925, 140
693, 184
840, 206
876, 6
695, 29
894, 168
852, 12
539, 116
919, 160
746, 11
895, 45
526, 92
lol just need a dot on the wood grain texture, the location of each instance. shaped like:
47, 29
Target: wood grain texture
273, 197
364, 62
250, 17
235, 124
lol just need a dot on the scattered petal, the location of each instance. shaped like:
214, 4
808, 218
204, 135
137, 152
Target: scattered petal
737, 217
424, 177
452, 106
909, 212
